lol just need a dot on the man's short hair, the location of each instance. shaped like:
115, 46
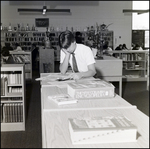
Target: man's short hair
65, 39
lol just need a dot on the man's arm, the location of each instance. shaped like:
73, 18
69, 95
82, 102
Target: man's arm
64, 65
90, 73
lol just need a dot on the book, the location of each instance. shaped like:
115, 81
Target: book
62, 99
109, 129
90, 89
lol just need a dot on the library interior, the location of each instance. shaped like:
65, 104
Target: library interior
72, 77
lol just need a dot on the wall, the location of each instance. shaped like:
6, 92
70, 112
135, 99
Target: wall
83, 14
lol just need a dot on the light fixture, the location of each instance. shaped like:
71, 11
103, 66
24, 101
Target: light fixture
135, 11
44, 9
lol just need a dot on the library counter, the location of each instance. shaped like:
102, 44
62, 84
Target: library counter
55, 126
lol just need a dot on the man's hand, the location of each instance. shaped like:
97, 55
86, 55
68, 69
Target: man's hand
75, 76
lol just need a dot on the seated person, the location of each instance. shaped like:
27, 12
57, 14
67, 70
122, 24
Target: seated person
137, 47
18, 47
71, 50
124, 47
6, 58
119, 47
106, 48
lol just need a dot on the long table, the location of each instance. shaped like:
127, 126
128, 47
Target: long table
55, 130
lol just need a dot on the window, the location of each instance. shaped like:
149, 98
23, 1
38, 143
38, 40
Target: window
141, 21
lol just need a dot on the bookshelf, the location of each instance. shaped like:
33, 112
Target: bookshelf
24, 38
25, 58
12, 97
27, 38
134, 64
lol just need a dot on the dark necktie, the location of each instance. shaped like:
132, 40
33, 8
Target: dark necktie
74, 63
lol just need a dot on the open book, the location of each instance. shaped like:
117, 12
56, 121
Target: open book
102, 130
63, 99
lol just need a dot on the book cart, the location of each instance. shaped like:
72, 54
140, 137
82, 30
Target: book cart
12, 97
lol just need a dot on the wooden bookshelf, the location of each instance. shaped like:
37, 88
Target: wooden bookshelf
134, 64
12, 97
25, 58
27, 38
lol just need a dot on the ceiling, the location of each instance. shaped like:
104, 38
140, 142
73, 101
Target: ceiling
53, 4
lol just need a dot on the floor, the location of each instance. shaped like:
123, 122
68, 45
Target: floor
134, 92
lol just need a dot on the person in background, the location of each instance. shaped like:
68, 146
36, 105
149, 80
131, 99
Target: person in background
83, 55
17, 47
8, 46
106, 49
119, 47
124, 47
35, 56
137, 47
89, 43
6, 58
132, 46
78, 37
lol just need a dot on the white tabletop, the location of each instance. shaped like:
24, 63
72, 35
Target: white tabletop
57, 130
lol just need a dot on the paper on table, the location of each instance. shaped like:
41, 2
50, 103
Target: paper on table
56, 77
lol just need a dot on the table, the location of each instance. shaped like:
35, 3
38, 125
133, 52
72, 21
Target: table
55, 132
110, 69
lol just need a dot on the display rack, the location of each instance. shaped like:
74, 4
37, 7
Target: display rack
12, 97
25, 58
134, 64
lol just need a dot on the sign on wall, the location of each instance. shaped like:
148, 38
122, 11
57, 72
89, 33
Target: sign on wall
42, 22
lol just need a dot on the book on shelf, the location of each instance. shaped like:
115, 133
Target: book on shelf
109, 129
4, 83
62, 99
1, 112
12, 112
90, 89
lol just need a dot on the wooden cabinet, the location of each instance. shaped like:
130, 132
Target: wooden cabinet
25, 58
46, 60
134, 64
12, 97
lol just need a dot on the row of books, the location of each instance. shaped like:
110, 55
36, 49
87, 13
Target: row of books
11, 98
21, 58
133, 65
6, 90
11, 112
12, 78
14, 89
130, 57
3, 86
